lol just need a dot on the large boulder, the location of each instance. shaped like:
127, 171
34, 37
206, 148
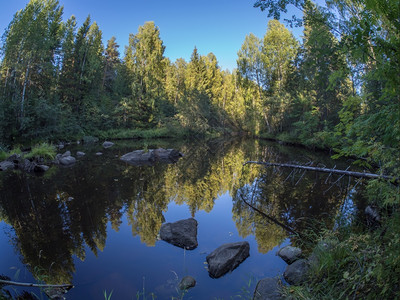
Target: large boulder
107, 144
141, 157
226, 258
267, 289
296, 273
5, 165
182, 233
290, 254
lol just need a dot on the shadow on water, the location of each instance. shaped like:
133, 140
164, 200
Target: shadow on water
62, 221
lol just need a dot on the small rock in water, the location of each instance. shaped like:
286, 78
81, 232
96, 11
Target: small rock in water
99, 153
80, 154
41, 168
186, 283
107, 144
289, 254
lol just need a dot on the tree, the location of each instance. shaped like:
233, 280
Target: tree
144, 59
29, 60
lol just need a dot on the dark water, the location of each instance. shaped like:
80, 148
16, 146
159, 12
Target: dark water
95, 224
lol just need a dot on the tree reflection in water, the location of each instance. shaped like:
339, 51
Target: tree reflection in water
61, 214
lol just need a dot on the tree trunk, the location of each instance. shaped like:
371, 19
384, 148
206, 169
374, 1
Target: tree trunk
325, 170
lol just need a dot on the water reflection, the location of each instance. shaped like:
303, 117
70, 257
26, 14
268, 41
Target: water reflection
59, 215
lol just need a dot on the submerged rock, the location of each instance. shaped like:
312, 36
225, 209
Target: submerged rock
186, 283
290, 254
226, 258
141, 157
182, 233
296, 273
107, 144
267, 289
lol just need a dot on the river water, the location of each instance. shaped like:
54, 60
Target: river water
95, 224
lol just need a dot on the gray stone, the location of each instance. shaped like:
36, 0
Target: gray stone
186, 283
15, 158
107, 144
267, 289
372, 216
41, 168
80, 154
226, 258
67, 160
290, 254
66, 154
296, 273
182, 233
5, 165
99, 153
27, 165
141, 157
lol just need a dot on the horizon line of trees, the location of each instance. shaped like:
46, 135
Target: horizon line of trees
338, 87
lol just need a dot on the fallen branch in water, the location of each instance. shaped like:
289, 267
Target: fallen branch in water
271, 218
325, 170
64, 286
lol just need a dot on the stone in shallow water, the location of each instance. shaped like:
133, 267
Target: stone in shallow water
186, 283
107, 144
226, 258
289, 254
80, 154
182, 233
267, 289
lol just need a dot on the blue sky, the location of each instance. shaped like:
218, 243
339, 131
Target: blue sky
217, 26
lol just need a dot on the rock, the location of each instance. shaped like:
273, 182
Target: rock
141, 157
41, 168
15, 158
296, 273
182, 233
55, 293
27, 165
186, 283
372, 216
5, 165
89, 139
99, 153
107, 144
67, 160
290, 254
66, 154
226, 258
267, 289
80, 154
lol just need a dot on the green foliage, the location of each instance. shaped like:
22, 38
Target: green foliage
43, 150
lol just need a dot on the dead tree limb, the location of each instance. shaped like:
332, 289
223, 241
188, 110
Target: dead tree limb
64, 286
325, 170
271, 218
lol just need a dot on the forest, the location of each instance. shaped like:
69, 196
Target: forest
337, 88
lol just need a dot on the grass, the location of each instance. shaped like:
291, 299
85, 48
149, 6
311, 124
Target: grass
359, 263
43, 150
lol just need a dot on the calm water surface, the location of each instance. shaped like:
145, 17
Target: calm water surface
95, 224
